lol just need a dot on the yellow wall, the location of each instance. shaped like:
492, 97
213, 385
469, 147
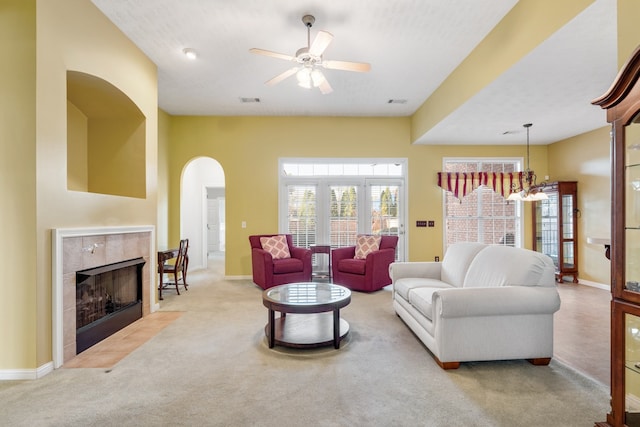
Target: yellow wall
162, 235
71, 35
117, 156
248, 148
77, 149
590, 165
18, 178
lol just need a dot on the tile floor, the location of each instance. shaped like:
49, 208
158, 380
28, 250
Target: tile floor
111, 350
582, 330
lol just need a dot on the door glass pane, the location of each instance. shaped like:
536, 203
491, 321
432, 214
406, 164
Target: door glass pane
567, 216
343, 217
632, 257
568, 259
632, 214
632, 370
301, 214
384, 202
384, 209
549, 227
538, 237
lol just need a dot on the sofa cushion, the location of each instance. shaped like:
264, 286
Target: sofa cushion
403, 286
287, 265
365, 244
499, 265
352, 265
276, 245
422, 300
457, 260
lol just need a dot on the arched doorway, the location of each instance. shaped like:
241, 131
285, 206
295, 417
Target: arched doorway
202, 191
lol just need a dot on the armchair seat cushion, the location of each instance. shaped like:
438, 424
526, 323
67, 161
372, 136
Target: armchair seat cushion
352, 265
287, 265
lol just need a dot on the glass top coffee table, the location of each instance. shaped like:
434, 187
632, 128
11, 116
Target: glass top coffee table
312, 325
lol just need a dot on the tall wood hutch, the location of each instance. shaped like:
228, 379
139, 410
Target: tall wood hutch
555, 227
622, 104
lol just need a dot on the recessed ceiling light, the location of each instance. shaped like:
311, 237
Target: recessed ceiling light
190, 53
397, 101
249, 100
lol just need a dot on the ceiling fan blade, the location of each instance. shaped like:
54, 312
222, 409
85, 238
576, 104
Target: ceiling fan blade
361, 67
320, 43
325, 87
272, 54
280, 77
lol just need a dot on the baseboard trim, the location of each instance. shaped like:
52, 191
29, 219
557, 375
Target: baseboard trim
594, 284
238, 277
26, 374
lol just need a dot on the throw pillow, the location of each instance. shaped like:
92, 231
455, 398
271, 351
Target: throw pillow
276, 246
365, 244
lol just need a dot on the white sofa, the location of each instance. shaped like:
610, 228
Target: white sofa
482, 302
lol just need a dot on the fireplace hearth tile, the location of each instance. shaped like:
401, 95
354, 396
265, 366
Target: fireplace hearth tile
111, 350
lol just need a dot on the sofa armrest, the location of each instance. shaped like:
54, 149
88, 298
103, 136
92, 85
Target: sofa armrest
428, 270
503, 300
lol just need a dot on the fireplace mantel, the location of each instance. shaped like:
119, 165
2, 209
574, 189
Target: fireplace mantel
75, 249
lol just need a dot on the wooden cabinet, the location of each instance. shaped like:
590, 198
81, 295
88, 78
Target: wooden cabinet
555, 227
622, 104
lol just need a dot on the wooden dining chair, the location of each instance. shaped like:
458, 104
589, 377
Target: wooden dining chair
179, 268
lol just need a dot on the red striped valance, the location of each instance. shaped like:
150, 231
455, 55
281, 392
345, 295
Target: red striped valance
463, 183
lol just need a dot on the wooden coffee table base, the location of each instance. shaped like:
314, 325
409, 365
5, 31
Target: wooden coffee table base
306, 330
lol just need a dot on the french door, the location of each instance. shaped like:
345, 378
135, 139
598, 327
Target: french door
334, 211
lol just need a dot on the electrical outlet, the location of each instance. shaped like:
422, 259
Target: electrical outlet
437, 258
244, 224
421, 223
432, 223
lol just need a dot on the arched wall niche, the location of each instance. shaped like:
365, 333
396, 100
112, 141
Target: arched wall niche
105, 139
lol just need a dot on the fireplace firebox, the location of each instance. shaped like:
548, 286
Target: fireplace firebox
108, 298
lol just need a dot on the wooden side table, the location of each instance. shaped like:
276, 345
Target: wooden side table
318, 276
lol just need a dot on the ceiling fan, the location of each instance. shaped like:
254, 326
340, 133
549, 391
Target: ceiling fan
309, 60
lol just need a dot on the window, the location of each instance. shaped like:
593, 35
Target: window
483, 215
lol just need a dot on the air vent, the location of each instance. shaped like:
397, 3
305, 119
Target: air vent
397, 101
249, 100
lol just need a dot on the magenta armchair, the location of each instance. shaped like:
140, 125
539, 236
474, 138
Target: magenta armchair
268, 272
369, 274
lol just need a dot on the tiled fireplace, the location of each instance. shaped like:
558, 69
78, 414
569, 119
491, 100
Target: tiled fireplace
77, 250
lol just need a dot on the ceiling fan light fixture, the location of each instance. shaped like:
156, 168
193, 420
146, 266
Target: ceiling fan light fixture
309, 59
304, 77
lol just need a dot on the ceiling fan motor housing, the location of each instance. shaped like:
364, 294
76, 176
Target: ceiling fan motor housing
308, 20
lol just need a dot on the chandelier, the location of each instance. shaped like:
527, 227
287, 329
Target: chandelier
531, 191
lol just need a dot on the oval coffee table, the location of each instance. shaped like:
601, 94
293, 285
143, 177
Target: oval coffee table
312, 301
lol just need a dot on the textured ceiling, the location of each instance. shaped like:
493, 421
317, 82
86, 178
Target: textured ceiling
412, 46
